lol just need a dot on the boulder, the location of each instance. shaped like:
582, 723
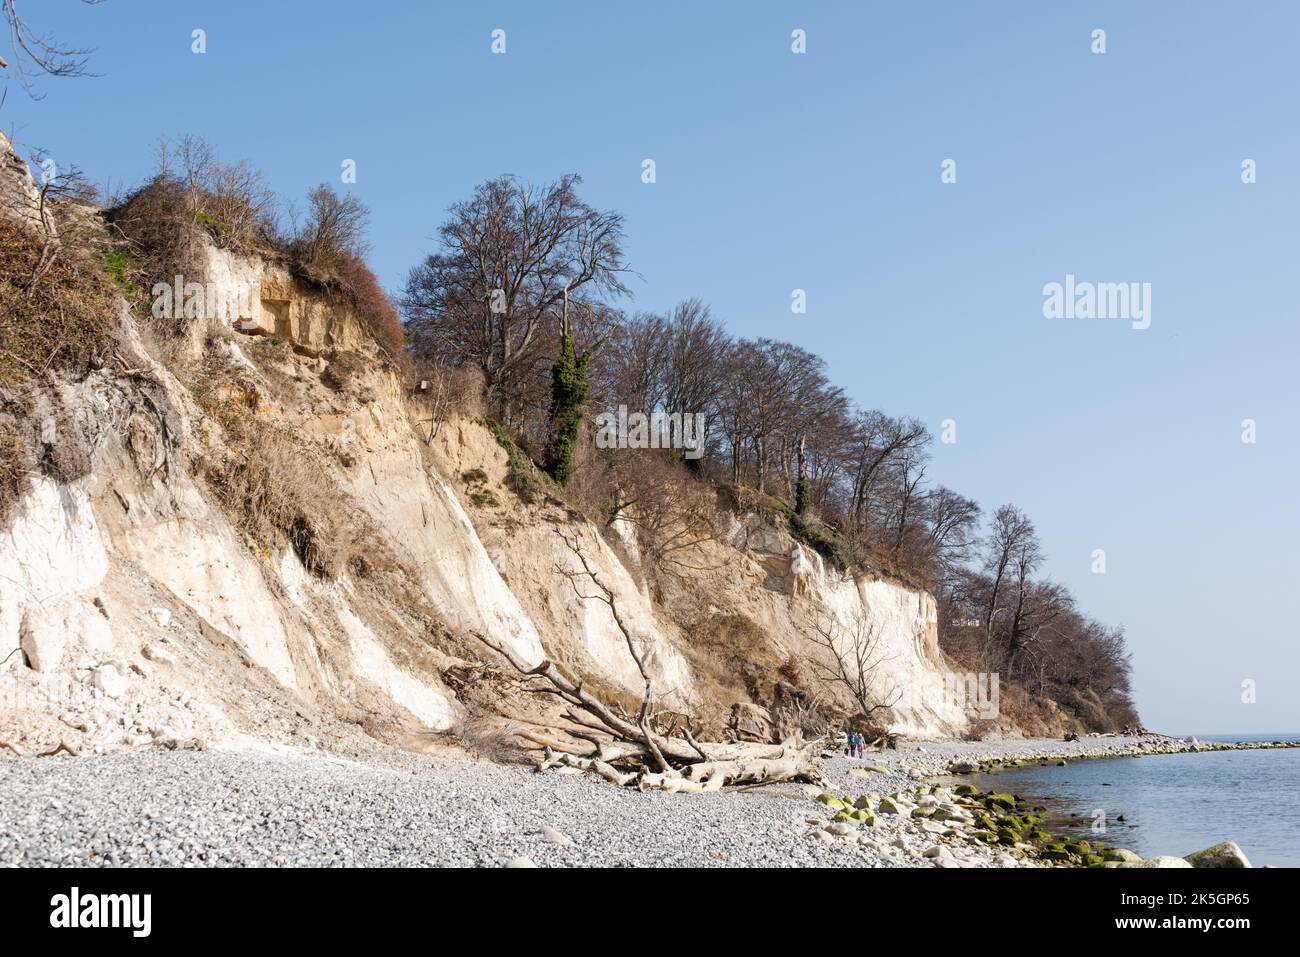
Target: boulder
1159, 862
750, 722
110, 681
42, 641
832, 802
1227, 854
1122, 855
94, 632
46, 634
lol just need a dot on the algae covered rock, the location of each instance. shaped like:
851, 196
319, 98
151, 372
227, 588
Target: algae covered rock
1226, 854
1121, 855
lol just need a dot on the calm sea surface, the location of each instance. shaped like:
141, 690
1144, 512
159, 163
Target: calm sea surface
1175, 803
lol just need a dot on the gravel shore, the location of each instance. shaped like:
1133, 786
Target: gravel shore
216, 808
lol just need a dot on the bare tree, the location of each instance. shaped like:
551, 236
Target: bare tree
672, 513
1011, 536
39, 53
335, 226
951, 524
878, 440
51, 211
852, 663
515, 259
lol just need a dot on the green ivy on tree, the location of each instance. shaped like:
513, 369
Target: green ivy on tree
802, 496
569, 391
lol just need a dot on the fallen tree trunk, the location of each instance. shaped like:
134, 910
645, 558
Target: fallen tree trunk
627, 751
651, 761
800, 765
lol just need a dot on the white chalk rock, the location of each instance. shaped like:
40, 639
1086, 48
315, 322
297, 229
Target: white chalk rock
110, 681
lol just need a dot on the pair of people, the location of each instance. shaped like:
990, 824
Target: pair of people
856, 745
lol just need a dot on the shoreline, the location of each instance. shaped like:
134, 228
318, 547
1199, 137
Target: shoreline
921, 780
303, 807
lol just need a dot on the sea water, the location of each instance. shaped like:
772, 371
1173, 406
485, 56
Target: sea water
1173, 804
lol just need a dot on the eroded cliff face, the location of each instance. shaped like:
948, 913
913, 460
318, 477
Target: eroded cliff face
139, 610
751, 571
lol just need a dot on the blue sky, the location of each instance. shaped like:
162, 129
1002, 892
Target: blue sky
820, 171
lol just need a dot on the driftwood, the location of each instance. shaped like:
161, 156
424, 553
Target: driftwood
626, 750
62, 748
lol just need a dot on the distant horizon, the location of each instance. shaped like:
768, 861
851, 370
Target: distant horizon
1262, 735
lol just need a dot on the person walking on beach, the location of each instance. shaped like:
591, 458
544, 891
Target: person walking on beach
862, 744
848, 744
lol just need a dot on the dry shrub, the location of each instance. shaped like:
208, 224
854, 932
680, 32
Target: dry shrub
280, 493
734, 660
328, 251
158, 227
451, 392
361, 291
192, 192
13, 469
346, 373
70, 456
790, 671
191, 199
483, 736
1035, 716
54, 314
670, 511
742, 650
